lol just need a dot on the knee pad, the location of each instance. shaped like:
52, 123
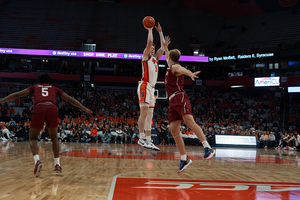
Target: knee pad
149, 119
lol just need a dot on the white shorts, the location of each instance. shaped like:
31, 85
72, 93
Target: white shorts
146, 94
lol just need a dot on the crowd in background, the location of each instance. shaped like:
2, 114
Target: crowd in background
116, 115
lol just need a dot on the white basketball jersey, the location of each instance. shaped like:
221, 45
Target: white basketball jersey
150, 70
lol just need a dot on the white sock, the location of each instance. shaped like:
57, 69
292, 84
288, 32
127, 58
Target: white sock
36, 158
183, 157
206, 145
56, 161
142, 135
148, 138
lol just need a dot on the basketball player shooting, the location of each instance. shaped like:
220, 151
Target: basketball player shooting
44, 110
180, 107
146, 87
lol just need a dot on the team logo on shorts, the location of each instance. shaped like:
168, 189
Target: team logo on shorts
142, 94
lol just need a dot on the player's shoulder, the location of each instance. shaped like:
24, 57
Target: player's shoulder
146, 58
176, 66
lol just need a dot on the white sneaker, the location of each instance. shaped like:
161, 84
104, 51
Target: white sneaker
150, 145
142, 142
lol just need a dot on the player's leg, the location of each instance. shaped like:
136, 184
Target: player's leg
144, 107
175, 131
149, 144
37, 122
33, 135
148, 123
149, 116
52, 112
55, 148
190, 122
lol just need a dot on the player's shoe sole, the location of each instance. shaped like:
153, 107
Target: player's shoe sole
151, 146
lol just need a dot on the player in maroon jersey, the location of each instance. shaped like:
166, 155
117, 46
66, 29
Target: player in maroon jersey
180, 107
44, 110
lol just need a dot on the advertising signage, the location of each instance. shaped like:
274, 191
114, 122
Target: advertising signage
241, 57
267, 81
294, 89
84, 54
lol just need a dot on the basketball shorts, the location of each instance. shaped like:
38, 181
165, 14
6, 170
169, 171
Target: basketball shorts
179, 105
44, 113
145, 93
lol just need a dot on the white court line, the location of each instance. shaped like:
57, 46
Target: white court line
113, 184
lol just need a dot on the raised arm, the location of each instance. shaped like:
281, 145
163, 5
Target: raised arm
15, 95
149, 44
181, 70
165, 44
161, 50
76, 103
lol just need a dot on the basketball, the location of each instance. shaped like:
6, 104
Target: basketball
149, 22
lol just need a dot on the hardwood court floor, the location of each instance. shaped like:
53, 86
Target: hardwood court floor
119, 172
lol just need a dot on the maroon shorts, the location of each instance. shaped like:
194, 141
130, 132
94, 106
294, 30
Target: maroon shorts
179, 105
44, 113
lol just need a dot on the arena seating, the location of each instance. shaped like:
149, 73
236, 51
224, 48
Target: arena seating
117, 27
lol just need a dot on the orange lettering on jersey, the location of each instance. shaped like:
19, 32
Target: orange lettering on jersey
153, 60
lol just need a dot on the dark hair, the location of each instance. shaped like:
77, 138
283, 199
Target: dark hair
43, 78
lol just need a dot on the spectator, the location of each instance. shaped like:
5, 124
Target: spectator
77, 135
136, 134
210, 135
162, 134
94, 133
127, 133
272, 139
44, 134
64, 125
264, 140
120, 135
85, 137
62, 136
106, 136
12, 121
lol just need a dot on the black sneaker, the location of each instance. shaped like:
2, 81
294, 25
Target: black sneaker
184, 164
208, 153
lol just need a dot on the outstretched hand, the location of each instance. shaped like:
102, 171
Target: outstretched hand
194, 75
88, 111
158, 27
167, 41
149, 29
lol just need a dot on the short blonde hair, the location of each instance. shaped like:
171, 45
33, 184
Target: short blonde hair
175, 55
